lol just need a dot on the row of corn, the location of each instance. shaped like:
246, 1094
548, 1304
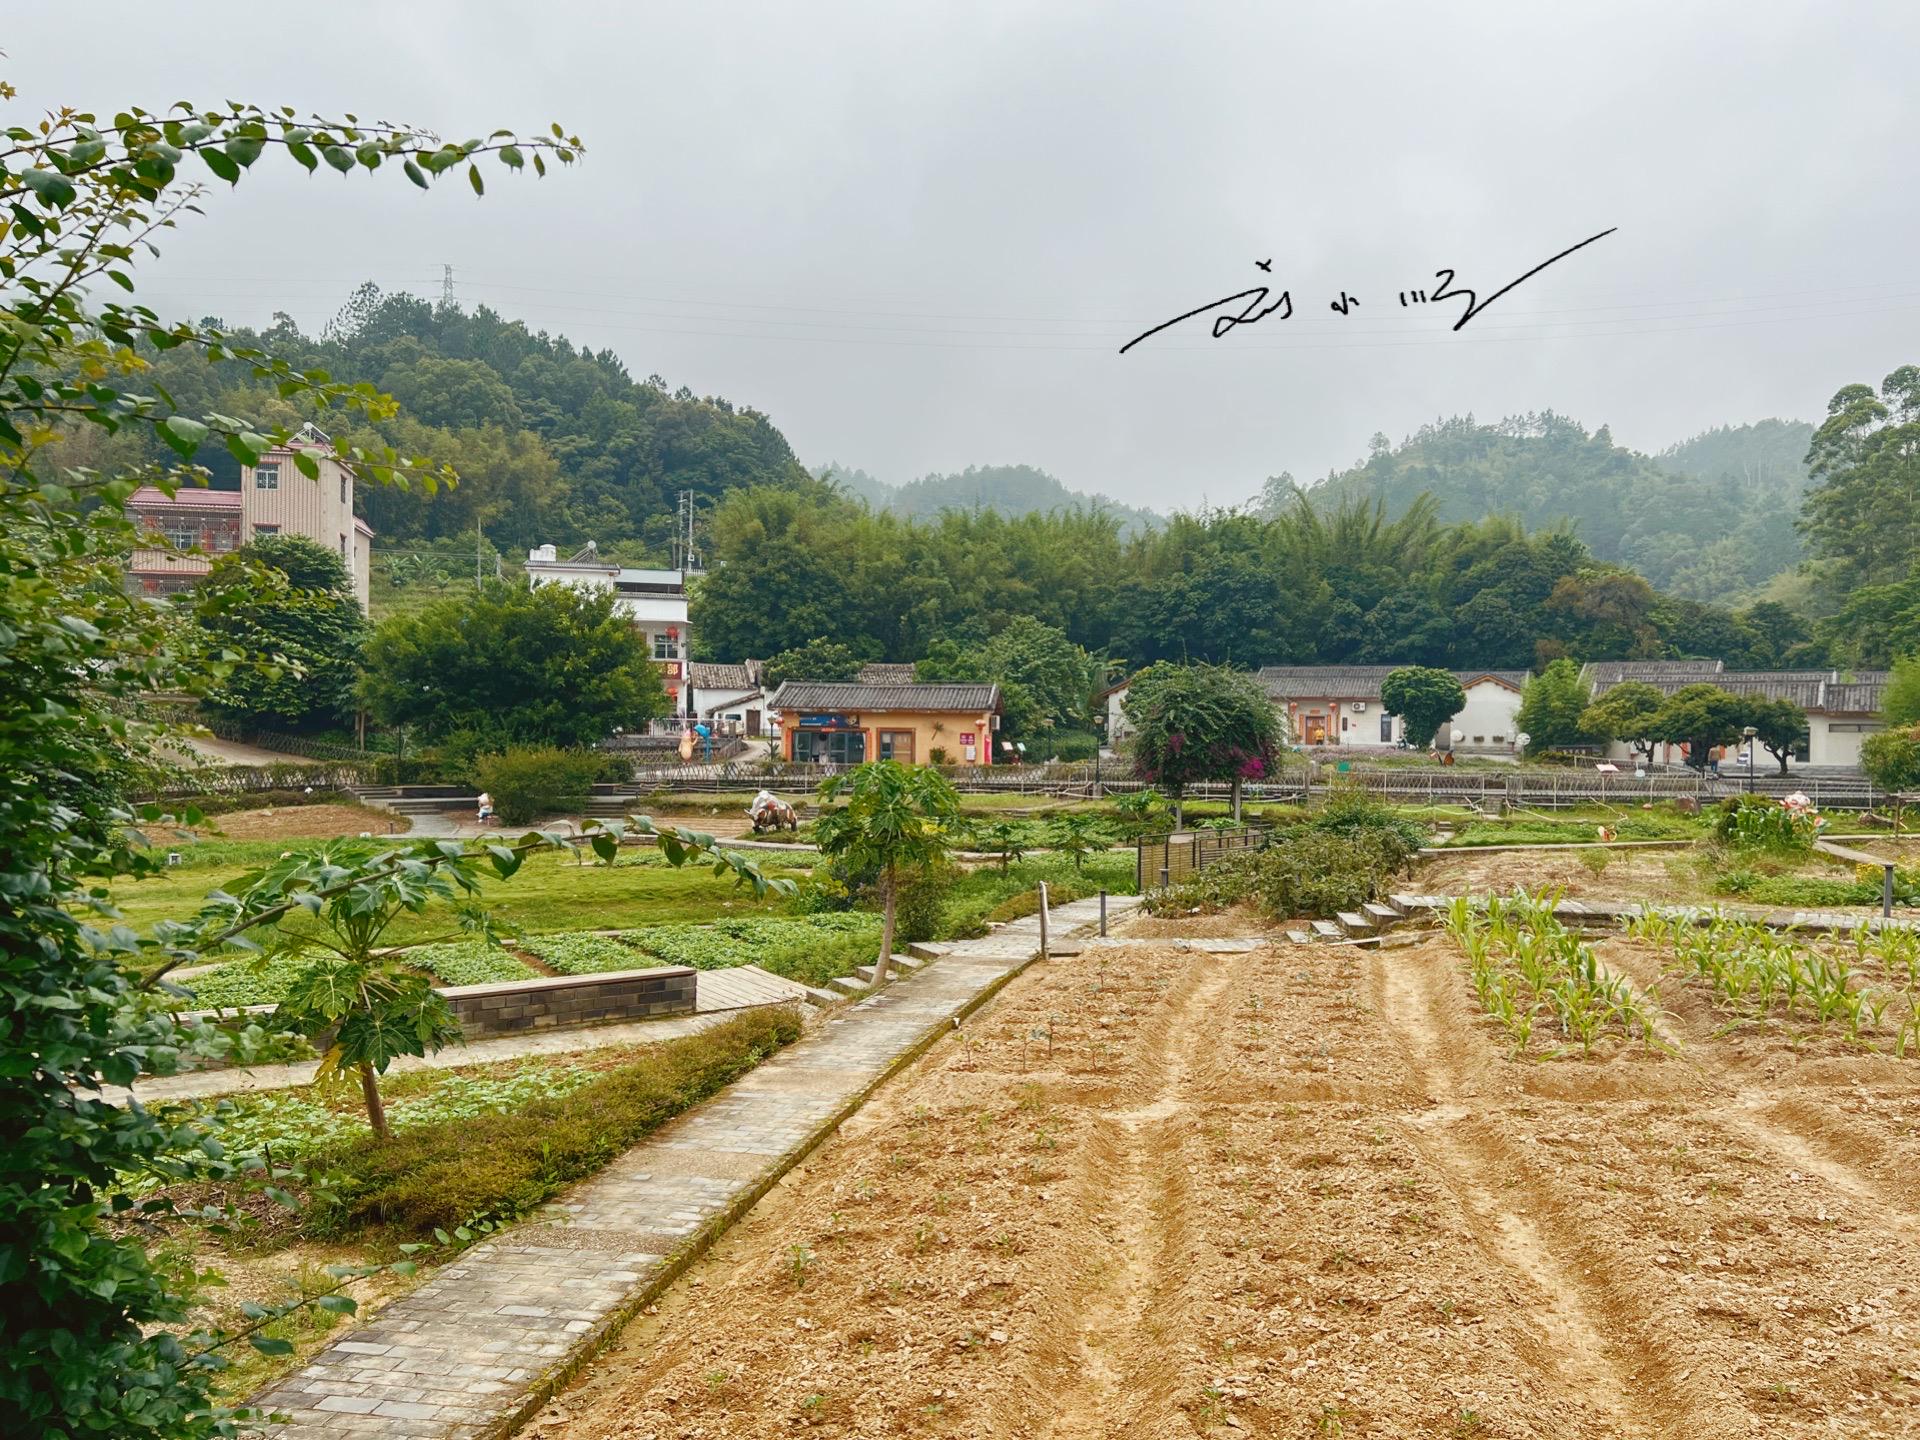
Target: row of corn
1868, 986
1529, 971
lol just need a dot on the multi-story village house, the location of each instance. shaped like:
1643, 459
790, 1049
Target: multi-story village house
273, 498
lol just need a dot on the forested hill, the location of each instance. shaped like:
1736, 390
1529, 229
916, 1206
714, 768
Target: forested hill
1709, 519
1011, 490
552, 442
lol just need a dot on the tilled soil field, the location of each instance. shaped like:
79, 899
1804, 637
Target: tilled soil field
1302, 1191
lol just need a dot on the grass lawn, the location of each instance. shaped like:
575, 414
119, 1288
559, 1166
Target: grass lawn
551, 892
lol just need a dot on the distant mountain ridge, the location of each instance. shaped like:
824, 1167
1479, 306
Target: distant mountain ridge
1009, 489
1709, 519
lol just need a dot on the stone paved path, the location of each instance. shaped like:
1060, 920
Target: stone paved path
484, 1342
717, 993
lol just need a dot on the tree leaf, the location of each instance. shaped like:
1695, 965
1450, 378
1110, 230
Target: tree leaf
473, 179
183, 436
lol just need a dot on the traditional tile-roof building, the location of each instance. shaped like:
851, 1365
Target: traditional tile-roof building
1340, 705
729, 696
1842, 706
845, 723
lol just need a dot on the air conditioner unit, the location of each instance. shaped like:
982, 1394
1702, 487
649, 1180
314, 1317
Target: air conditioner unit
1360, 707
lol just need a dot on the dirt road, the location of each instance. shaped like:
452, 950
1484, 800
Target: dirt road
1152, 1192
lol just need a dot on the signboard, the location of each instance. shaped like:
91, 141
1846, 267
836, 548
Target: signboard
828, 722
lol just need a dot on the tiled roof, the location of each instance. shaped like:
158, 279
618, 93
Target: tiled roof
188, 497
1352, 682
706, 676
1861, 697
853, 697
1515, 678
880, 673
1612, 672
1818, 691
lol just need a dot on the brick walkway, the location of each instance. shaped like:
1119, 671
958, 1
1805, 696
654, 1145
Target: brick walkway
484, 1342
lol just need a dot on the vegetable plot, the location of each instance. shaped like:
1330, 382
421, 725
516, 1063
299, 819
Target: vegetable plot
1526, 967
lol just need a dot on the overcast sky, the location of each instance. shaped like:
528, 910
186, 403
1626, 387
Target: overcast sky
917, 235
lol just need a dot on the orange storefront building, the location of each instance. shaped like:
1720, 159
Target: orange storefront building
847, 724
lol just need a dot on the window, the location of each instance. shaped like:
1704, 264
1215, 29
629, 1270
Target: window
1499, 739
343, 489
1343, 724
1479, 739
1386, 729
343, 553
831, 747
266, 477
666, 647
897, 745
259, 530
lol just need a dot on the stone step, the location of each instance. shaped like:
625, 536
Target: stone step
850, 985
929, 949
1381, 915
1327, 930
1299, 937
1402, 903
1354, 923
817, 996
904, 964
864, 972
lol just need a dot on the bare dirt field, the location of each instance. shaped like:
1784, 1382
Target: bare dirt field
1302, 1191
319, 822
1630, 874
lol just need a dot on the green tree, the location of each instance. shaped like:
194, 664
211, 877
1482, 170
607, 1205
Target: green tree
96, 1335
1900, 701
1424, 698
1626, 712
1702, 718
896, 819
289, 600
1004, 838
540, 665
818, 659
1200, 724
1552, 706
1779, 726
1862, 516
1076, 833
1891, 759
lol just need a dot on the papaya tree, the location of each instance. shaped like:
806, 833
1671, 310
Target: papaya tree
896, 819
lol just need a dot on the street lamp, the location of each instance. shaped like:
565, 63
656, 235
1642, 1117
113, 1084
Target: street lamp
1749, 733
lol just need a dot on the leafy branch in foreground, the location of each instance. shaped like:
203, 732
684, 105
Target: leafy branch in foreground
96, 1333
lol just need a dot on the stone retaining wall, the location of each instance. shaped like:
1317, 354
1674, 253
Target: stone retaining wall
553, 1002
567, 1001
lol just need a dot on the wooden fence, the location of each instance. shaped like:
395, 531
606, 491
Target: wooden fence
1167, 859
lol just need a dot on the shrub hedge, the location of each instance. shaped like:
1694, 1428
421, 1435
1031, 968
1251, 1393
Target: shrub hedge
498, 1166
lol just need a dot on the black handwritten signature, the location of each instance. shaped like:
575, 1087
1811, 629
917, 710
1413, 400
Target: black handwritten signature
1258, 307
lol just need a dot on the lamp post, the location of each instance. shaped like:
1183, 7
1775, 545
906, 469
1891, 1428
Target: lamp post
1749, 733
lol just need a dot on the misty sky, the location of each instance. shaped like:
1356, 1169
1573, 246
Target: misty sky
916, 235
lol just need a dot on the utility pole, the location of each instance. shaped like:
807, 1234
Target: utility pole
446, 287
478, 542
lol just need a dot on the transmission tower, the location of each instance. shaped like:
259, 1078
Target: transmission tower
686, 546
446, 287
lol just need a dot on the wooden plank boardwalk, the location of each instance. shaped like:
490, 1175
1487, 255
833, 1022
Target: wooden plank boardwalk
739, 987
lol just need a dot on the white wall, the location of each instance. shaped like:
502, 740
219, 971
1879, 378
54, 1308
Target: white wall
1837, 741
1490, 718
